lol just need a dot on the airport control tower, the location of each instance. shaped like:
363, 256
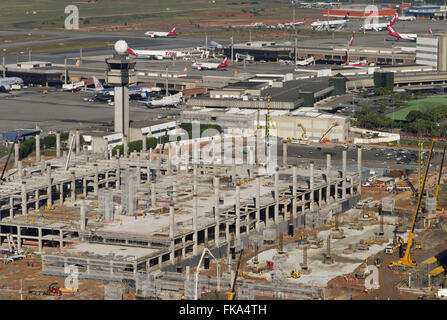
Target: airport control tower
120, 73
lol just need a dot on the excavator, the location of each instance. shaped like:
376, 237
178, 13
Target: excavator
406, 262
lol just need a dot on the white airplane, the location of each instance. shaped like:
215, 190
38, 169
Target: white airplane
296, 23
132, 90
405, 18
156, 54
160, 34
73, 86
305, 62
358, 63
210, 65
6, 84
214, 44
403, 36
326, 25
173, 100
378, 26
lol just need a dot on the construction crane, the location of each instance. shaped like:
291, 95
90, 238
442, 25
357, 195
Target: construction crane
232, 293
439, 178
413, 189
304, 134
9, 156
322, 139
405, 262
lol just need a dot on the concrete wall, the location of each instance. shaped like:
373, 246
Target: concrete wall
287, 126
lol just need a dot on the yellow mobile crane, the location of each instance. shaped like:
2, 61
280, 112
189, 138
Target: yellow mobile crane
405, 262
439, 181
304, 134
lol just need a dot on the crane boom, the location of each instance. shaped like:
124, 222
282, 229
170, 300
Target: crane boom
232, 294
406, 261
439, 178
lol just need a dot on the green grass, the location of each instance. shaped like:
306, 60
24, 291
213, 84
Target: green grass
427, 104
49, 14
60, 46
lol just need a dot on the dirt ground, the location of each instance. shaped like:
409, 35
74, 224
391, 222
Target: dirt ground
30, 273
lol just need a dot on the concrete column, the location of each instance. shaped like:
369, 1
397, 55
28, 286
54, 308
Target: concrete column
359, 169
238, 212
276, 216
82, 222
171, 233
49, 188
233, 170
73, 186
39, 230
150, 157
344, 175
216, 209
24, 198
61, 238
36, 196
168, 162
144, 143
16, 154
126, 147
194, 224
294, 191
61, 194
153, 195
84, 187
159, 163
78, 141
174, 189
138, 172
20, 169
38, 147
328, 177
118, 173
227, 234
96, 179
58, 144
258, 203
19, 238
194, 178
11, 207
284, 153
312, 199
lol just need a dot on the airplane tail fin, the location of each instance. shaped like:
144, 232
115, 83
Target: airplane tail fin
347, 15
98, 84
172, 32
224, 63
78, 62
130, 51
149, 99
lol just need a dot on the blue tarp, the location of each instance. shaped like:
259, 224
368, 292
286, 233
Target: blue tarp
11, 136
